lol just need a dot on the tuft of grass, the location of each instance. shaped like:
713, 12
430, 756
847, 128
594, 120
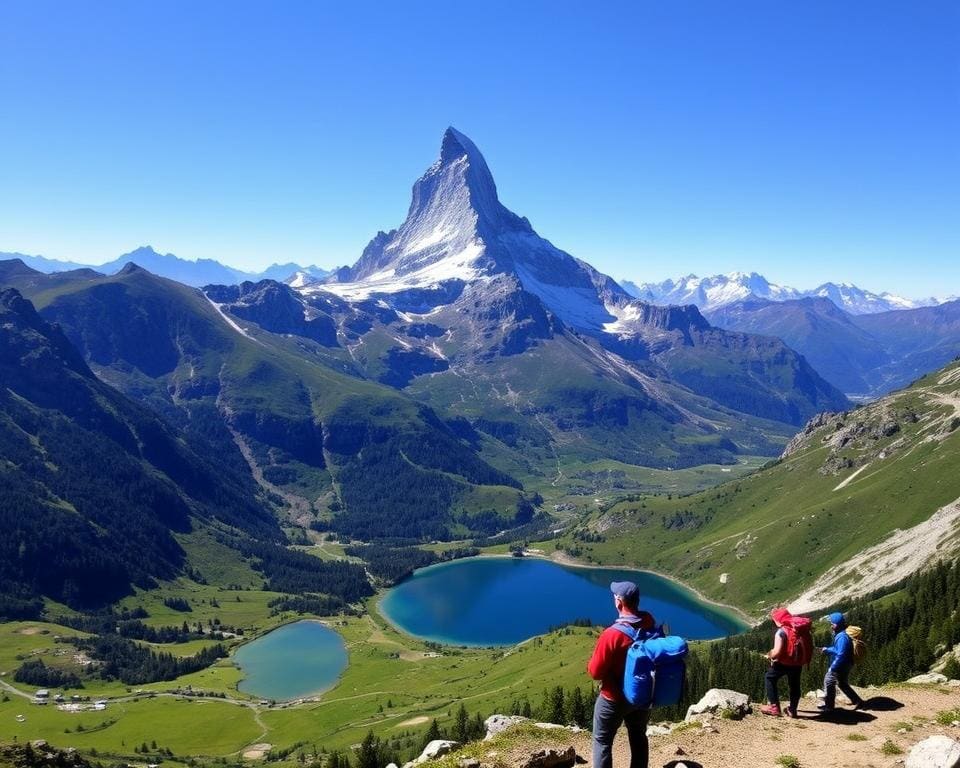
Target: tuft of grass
856, 737
889, 748
947, 716
903, 724
788, 761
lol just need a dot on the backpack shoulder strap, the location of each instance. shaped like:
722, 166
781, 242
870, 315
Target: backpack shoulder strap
632, 632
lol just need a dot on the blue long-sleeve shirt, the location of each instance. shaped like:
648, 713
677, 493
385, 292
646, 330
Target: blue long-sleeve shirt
841, 652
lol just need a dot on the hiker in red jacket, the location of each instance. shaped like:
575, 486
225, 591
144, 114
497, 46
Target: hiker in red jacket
607, 665
782, 665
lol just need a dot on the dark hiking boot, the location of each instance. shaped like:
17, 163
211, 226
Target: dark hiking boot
791, 713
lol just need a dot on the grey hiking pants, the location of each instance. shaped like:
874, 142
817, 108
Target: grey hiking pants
608, 716
838, 676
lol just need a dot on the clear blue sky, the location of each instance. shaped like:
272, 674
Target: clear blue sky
807, 140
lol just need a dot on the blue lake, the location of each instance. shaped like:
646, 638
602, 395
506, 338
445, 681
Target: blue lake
291, 662
503, 600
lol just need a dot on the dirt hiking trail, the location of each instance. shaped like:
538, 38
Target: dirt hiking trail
900, 715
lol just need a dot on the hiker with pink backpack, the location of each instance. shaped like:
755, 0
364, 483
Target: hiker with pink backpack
792, 650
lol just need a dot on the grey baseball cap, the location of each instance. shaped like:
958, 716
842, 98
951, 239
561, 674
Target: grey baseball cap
626, 591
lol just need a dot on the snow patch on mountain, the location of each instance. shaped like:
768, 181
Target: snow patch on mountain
433, 274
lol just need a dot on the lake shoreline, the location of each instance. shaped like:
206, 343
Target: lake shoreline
564, 559
299, 698
734, 621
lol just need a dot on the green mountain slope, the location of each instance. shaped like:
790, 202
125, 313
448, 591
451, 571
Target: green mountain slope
839, 349
93, 485
358, 454
861, 354
519, 384
858, 501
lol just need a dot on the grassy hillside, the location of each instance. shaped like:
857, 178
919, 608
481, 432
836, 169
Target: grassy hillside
859, 500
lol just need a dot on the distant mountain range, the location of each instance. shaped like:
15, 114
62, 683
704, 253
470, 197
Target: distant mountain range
863, 355
712, 293
195, 273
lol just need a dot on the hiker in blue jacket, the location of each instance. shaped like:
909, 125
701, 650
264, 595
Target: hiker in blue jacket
841, 662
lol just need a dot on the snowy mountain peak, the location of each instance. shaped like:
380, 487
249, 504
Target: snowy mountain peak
458, 234
453, 231
712, 293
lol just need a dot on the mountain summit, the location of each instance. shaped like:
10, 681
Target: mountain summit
457, 231
493, 289
453, 213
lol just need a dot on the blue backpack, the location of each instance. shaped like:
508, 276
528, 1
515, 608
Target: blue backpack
655, 672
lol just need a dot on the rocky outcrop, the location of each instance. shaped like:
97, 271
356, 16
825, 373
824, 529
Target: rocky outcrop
930, 678
433, 750
496, 724
717, 701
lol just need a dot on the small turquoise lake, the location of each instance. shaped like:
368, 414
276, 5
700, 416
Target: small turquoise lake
503, 600
291, 662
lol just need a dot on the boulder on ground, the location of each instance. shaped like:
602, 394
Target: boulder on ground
935, 752
718, 700
551, 758
659, 730
928, 678
433, 750
497, 723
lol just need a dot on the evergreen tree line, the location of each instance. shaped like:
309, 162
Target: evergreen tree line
133, 629
288, 570
124, 660
392, 564
318, 605
376, 752
564, 706
180, 604
539, 528
35, 672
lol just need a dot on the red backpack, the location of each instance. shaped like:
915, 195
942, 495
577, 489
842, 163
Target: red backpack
799, 630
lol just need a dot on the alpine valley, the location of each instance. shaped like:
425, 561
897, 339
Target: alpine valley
191, 457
